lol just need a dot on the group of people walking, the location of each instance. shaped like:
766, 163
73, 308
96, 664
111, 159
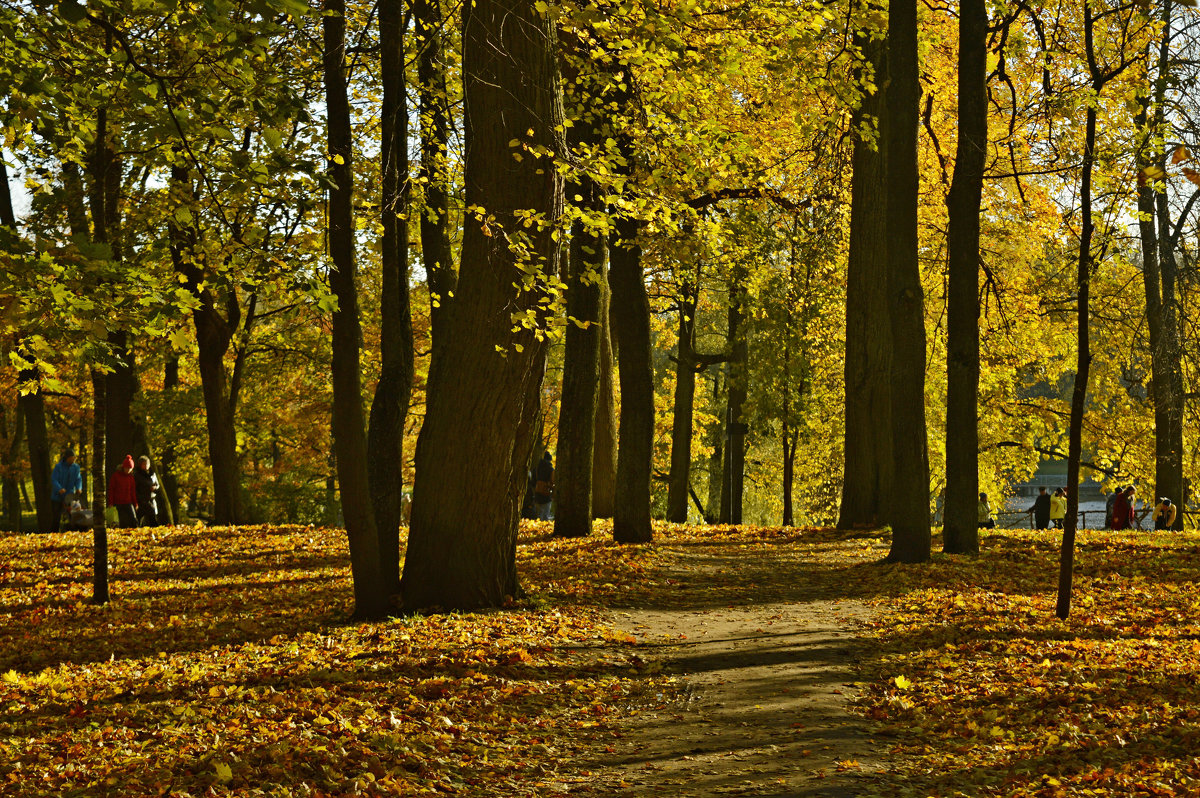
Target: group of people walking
133, 491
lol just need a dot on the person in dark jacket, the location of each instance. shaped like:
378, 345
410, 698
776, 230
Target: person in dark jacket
1041, 509
1123, 509
65, 482
122, 494
146, 482
543, 489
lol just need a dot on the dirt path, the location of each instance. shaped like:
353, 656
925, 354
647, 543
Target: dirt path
763, 660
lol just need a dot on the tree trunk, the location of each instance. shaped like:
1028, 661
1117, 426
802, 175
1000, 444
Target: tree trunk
867, 481
166, 464
12, 468
909, 516
119, 433
1166, 348
733, 478
99, 492
961, 525
581, 369
604, 447
349, 437
471, 476
213, 336
1083, 342
716, 460
630, 313
678, 480
385, 442
10, 492
33, 406
433, 103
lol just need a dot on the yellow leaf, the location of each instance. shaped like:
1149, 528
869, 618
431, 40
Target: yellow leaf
902, 682
224, 773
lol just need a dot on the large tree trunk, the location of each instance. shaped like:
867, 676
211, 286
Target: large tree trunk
474, 449
433, 103
630, 315
909, 516
867, 482
961, 526
581, 367
349, 437
385, 442
99, 493
604, 447
678, 480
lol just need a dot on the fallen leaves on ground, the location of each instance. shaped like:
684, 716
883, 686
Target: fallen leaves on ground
981, 690
224, 664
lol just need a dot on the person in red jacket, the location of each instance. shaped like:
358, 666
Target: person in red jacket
122, 494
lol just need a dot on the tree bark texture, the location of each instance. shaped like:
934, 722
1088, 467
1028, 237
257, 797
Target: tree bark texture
473, 453
433, 102
385, 440
867, 481
604, 446
348, 426
961, 525
630, 313
909, 511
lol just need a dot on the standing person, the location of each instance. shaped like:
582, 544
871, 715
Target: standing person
1122, 517
146, 482
985, 513
1041, 509
1164, 514
1058, 508
65, 482
1108, 506
543, 489
122, 494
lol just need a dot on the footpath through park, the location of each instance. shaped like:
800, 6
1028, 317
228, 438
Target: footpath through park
762, 653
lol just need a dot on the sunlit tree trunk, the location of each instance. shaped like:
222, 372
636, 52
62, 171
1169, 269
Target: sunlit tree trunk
866, 487
604, 448
470, 477
909, 511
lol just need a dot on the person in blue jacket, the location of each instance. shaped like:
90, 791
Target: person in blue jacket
65, 482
